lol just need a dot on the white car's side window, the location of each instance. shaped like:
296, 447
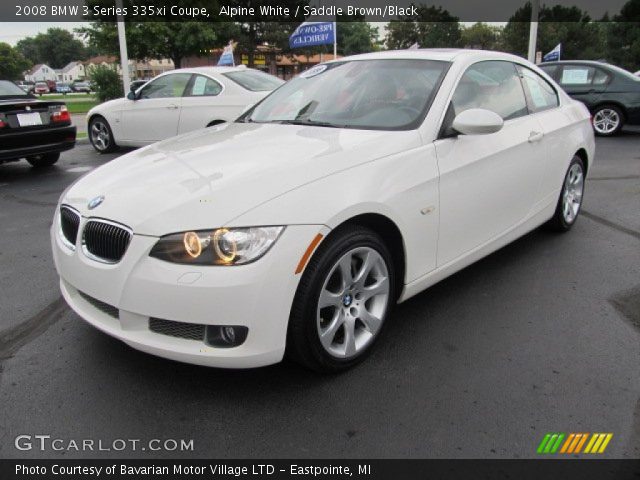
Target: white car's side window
491, 85
167, 86
542, 96
204, 87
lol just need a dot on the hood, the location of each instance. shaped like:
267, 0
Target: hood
206, 178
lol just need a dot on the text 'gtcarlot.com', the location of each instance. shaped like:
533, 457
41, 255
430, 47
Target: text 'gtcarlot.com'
45, 443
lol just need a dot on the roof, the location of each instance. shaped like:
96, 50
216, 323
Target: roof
101, 59
69, 66
210, 69
35, 68
443, 54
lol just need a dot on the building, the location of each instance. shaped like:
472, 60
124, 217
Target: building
265, 58
71, 72
41, 73
149, 68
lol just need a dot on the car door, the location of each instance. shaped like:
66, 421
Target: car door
585, 83
155, 114
202, 103
488, 183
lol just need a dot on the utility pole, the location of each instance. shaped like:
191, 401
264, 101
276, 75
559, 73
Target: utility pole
533, 30
124, 57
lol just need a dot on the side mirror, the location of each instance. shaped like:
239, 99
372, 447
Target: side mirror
477, 121
132, 87
132, 95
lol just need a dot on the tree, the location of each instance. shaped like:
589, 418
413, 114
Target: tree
56, 48
580, 37
432, 27
356, 36
106, 82
483, 36
623, 37
12, 62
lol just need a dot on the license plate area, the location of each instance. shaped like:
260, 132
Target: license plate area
29, 119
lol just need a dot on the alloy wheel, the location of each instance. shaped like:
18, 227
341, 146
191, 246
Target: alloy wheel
353, 302
572, 194
606, 121
100, 135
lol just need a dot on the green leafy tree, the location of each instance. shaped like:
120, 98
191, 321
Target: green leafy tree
580, 37
483, 36
12, 63
106, 82
56, 48
431, 27
356, 36
623, 37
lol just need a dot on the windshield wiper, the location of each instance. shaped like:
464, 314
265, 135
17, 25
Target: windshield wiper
313, 123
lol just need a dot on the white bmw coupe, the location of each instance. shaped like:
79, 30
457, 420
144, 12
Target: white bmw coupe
176, 102
295, 229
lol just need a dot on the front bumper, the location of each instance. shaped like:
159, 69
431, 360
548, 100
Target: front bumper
257, 296
36, 142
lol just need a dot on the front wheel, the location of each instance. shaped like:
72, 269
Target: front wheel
45, 160
100, 135
570, 200
342, 302
607, 120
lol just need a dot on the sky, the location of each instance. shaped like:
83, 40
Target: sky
12, 32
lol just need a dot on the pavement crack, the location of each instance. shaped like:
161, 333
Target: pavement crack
12, 339
610, 224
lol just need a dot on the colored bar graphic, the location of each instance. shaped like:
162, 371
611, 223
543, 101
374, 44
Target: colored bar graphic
555, 443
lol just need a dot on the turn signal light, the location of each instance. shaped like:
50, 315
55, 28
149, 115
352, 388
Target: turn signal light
2, 124
61, 115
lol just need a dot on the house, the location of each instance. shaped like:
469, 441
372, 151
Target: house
41, 73
149, 68
71, 72
105, 60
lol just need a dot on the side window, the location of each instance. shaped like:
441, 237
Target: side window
492, 85
551, 70
576, 75
204, 87
167, 86
541, 95
600, 77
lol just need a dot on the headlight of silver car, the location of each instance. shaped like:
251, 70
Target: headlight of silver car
223, 246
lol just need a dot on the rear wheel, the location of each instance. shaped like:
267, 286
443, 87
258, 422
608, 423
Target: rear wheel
342, 302
570, 200
44, 160
607, 120
100, 135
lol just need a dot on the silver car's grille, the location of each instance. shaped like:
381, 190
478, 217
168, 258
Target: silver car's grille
102, 306
105, 241
190, 331
69, 223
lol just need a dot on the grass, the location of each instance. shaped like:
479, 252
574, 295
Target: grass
70, 97
80, 135
81, 107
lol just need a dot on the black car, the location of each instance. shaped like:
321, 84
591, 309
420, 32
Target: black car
611, 93
32, 129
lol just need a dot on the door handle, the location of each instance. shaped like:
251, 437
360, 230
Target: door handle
535, 136
173, 106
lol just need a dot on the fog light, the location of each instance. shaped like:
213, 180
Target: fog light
226, 336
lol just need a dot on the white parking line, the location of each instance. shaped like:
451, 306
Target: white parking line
79, 169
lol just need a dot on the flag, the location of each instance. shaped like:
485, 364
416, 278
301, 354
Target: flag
553, 55
227, 56
309, 34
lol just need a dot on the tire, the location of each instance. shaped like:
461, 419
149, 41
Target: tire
607, 120
100, 135
353, 317
571, 196
45, 160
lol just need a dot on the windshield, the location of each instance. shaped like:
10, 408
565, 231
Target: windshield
10, 89
255, 80
366, 94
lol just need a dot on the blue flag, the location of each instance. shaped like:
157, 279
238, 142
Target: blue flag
553, 55
227, 56
310, 34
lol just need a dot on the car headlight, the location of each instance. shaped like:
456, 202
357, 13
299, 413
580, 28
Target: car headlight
223, 246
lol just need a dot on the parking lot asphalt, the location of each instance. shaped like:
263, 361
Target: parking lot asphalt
542, 336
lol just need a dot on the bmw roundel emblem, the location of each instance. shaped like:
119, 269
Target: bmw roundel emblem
94, 202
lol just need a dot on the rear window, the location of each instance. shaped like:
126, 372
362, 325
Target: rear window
10, 89
254, 80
